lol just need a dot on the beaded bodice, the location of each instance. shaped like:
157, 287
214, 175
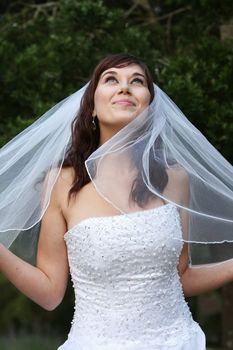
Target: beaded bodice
127, 288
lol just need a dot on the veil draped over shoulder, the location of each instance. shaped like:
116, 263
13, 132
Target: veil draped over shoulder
159, 156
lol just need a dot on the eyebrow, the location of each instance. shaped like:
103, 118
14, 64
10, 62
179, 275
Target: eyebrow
115, 73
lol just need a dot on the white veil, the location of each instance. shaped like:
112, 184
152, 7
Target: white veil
29, 166
159, 155
161, 143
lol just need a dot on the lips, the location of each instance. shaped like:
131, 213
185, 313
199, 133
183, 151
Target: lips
124, 102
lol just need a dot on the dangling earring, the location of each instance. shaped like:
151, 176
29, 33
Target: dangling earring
93, 124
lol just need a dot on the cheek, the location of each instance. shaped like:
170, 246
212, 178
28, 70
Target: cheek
145, 99
97, 104
100, 99
97, 98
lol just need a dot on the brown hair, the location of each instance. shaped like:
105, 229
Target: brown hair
85, 140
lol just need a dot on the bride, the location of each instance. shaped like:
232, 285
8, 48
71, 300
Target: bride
133, 187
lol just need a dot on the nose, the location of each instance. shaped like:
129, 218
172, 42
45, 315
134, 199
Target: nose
124, 88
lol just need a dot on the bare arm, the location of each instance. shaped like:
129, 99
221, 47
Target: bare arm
46, 283
203, 278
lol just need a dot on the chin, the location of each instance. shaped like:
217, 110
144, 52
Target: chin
117, 123
123, 122
125, 119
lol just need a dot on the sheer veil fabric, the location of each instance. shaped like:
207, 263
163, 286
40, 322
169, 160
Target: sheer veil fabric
160, 155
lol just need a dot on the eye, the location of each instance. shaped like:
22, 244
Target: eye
110, 78
138, 81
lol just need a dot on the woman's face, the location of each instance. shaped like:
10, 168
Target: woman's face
121, 95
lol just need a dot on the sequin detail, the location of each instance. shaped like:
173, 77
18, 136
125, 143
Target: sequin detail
128, 293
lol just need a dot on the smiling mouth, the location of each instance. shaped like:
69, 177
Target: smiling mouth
124, 103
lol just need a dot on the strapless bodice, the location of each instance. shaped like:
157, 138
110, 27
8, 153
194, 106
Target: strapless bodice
128, 294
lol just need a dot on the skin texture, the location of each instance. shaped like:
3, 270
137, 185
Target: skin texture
46, 283
120, 96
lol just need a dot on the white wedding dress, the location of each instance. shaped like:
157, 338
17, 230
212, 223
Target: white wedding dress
127, 288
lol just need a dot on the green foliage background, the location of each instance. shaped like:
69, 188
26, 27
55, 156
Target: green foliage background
48, 50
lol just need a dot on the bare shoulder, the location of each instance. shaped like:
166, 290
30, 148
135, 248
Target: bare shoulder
178, 175
178, 184
62, 181
66, 177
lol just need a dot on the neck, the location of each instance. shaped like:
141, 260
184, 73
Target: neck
106, 132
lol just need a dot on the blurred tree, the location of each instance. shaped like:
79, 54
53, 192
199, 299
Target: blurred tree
49, 48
